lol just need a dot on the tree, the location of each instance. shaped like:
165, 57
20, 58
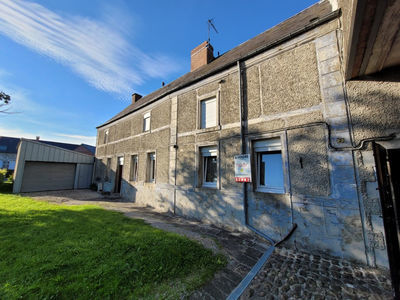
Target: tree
4, 100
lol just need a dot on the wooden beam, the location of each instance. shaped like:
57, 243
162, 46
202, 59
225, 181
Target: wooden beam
385, 38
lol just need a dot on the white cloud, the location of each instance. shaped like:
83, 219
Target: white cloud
99, 51
48, 136
76, 139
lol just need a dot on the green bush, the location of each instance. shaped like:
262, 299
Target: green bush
3, 173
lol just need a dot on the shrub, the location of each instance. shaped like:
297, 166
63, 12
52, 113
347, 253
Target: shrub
3, 173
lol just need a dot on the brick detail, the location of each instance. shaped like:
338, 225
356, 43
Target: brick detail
201, 55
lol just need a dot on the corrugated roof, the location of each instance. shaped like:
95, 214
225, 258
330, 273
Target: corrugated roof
305, 20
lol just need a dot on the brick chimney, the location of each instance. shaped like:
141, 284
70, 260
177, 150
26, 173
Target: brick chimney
135, 97
201, 55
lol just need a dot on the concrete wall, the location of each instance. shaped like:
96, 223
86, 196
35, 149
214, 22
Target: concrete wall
293, 93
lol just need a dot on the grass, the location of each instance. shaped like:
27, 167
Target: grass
55, 251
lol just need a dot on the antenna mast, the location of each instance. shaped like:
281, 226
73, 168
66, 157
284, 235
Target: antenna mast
211, 25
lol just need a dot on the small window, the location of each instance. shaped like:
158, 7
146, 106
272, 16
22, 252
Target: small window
134, 168
108, 170
269, 166
208, 113
106, 136
146, 122
151, 170
209, 167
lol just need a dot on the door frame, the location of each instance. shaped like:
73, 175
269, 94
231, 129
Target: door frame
388, 178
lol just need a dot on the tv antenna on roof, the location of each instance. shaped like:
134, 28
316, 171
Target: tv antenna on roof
211, 25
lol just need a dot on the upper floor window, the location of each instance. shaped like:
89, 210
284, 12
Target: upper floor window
134, 168
146, 122
209, 166
269, 166
151, 167
106, 136
208, 113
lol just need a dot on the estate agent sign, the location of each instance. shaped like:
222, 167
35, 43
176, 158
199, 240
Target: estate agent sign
242, 168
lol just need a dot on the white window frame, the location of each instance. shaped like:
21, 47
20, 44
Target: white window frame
207, 97
208, 151
106, 136
204, 112
147, 116
151, 169
134, 173
270, 144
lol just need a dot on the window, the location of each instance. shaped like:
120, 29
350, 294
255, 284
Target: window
105, 136
146, 122
108, 170
134, 168
209, 167
151, 167
269, 166
208, 111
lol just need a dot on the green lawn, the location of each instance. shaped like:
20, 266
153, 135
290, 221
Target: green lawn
56, 251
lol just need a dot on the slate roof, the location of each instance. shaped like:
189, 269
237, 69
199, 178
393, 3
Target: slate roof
8, 144
306, 20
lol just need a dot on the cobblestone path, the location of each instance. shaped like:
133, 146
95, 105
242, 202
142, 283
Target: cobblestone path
293, 275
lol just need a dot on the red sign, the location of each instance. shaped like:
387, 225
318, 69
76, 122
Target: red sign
242, 179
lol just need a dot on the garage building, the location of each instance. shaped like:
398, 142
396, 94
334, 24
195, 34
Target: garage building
43, 167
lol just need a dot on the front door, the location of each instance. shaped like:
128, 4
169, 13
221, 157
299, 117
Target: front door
388, 171
118, 175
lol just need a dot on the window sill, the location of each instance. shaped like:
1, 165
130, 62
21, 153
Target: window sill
209, 129
269, 191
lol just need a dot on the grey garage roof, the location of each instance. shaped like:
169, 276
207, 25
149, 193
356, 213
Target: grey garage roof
303, 21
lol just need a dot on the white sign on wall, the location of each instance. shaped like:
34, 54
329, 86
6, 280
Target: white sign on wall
242, 168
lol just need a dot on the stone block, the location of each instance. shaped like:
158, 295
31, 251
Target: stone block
333, 93
341, 158
327, 52
331, 80
326, 40
330, 65
342, 174
335, 109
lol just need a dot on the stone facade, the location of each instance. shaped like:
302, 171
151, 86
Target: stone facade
295, 92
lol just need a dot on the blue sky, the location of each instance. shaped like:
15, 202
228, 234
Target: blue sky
71, 65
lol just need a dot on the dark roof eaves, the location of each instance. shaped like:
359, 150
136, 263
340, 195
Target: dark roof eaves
330, 16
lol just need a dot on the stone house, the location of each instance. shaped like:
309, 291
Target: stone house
310, 100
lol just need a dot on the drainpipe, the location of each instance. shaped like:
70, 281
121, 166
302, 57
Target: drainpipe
238, 291
243, 127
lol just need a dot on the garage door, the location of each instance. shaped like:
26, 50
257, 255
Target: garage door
46, 176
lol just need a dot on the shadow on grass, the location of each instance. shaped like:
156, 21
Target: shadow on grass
51, 251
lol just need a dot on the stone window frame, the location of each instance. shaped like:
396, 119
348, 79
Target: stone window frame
216, 95
199, 167
147, 178
130, 167
251, 139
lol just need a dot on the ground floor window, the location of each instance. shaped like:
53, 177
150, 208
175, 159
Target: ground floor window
151, 170
134, 168
209, 166
269, 166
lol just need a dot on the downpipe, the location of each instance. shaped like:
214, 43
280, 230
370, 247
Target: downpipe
238, 291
